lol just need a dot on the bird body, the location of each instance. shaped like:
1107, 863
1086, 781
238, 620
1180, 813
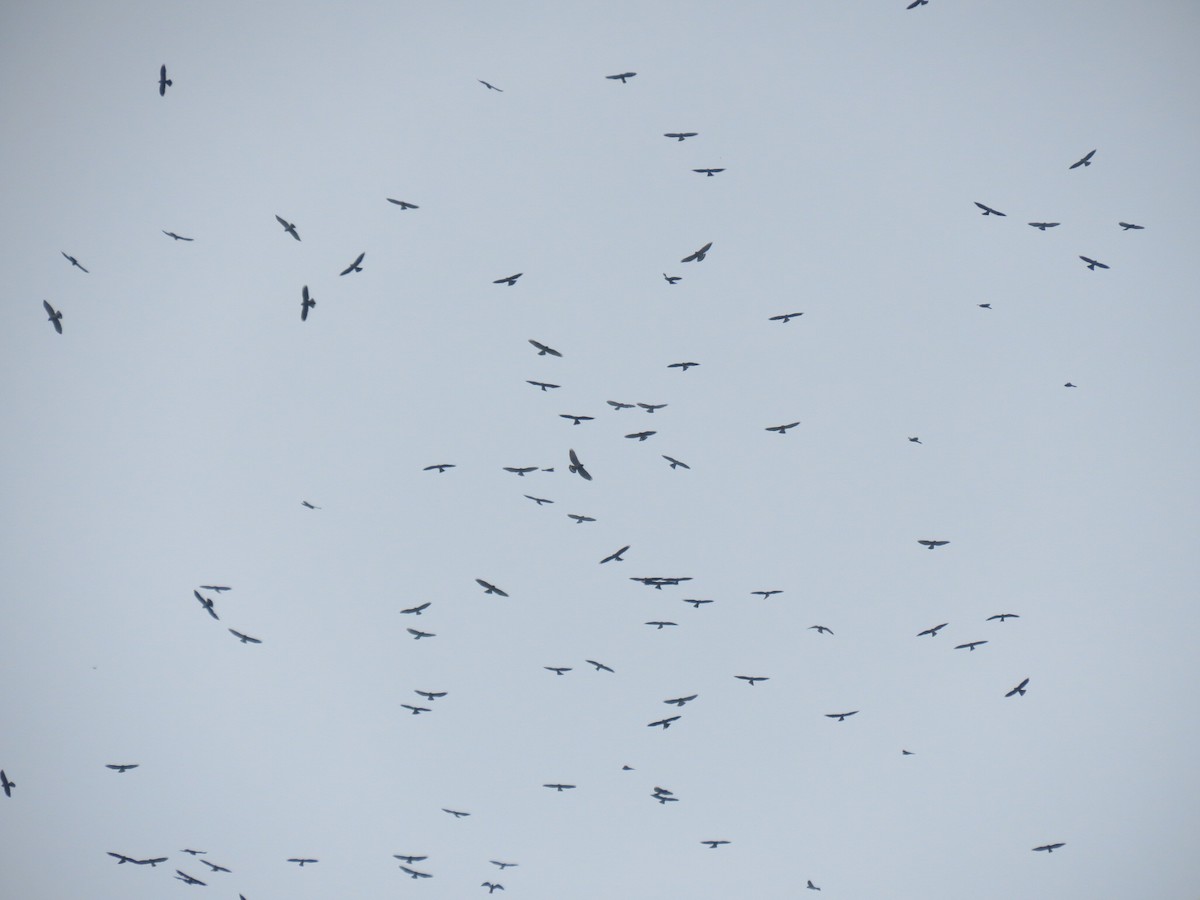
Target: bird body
121, 767
841, 717
163, 81
306, 303
929, 545
782, 429
600, 667
970, 645
1093, 264
73, 261
543, 349
665, 723
709, 172
245, 638
932, 632
402, 204
177, 237
577, 468
681, 135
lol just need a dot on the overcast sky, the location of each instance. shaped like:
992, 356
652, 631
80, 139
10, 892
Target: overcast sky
167, 438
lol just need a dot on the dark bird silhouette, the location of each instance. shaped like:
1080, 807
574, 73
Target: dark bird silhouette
245, 638
152, 863
971, 645
575, 420
664, 799
695, 603
675, 463
121, 858
1042, 226
699, 255
579, 520
684, 366
416, 710
810, 885
409, 859
912, 5
1019, 689
782, 429
557, 670
121, 767
641, 435
681, 135
709, 172
672, 279
73, 260
430, 695
403, 204
543, 349
306, 303
219, 588
1050, 848
680, 701
417, 610
1093, 264
931, 544
510, 280
214, 867
1129, 226
820, 629
489, 588
301, 861
441, 467
932, 632
1068, 384
538, 500
502, 865
750, 679
665, 723
841, 717
288, 226
54, 316
458, 814
615, 557
417, 634
207, 603
988, 211
906, 753
1086, 161
560, 787
490, 87
520, 470
651, 407
492, 886
713, 845
541, 384
577, 468
354, 266
786, 317
615, 405
915, 440
178, 237
308, 505
1002, 616
621, 77
187, 879
600, 667
984, 305
764, 594
163, 81
660, 625
193, 852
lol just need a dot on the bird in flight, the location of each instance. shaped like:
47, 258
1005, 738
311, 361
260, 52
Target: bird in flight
403, 204
579, 520
1129, 226
680, 701
699, 255
214, 867
416, 710
641, 435
456, 813
1086, 161
121, 767
540, 501
615, 557
308, 505
431, 695
541, 384
490, 87
163, 81
1003, 616
492, 886
912, 5
764, 594
543, 349
577, 468
672, 279
665, 723
121, 858
207, 603
1050, 848
681, 135
915, 440
1092, 263
245, 638
219, 588
409, 859
810, 885
301, 862
932, 632
988, 211
820, 629
782, 429
560, 787
557, 670
984, 305
306, 303
188, 879
906, 753
1068, 384
192, 852
441, 467
709, 172
575, 420
6, 785
1019, 689
621, 77
417, 634
695, 603
55, 317
683, 366
615, 405
1042, 226
786, 317
970, 645
510, 280
73, 260
675, 463
651, 407
502, 865
600, 667
288, 226
931, 544
354, 266
520, 470
664, 797
660, 625
752, 678
841, 717
178, 237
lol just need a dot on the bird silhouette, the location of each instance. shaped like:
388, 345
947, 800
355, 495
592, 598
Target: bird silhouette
417, 610
192, 852
490, 87
932, 632
308, 505
785, 317
988, 211
458, 814
699, 255
543, 385
615, 405
675, 463
540, 501
418, 634
641, 435
681, 135
492, 886
750, 679
510, 280
695, 603
615, 557
219, 588
575, 420
441, 467
214, 867
1129, 226
121, 767
54, 316
560, 787
1042, 226
245, 638
915, 440
984, 305
709, 172
810, 885
1086, 161
1050, 848
403, 204
1093, 264
714, 844
416, 710
502, 865
1019, 689
520, 470
207, 603
577, 468
660, 625
970, 645
621, 77
683, 366
1002, 616
651, 407
177, 237
672, 279
557, 670
188, 879
306, 303
820, 629
121, 858
409, 859
912, 5
73, 260
579, 520
163, 81
431, 695
764, 594
288, 226
413, 873
782, 429
929, 545
600, 667
841, 717
543, 349
1068, 384
680, 701
6, 785
665, 723
354, 266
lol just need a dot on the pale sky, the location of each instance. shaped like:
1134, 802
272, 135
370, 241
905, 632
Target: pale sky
167, 438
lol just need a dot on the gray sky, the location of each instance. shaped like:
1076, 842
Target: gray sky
166, 439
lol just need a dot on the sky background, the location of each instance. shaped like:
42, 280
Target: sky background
167, 438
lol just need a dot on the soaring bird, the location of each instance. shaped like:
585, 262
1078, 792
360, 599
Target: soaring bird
403, 204
1092, 263
207, 603
219, 588
841, 717
177, 237
441, 467
1050, 848
73, 260
510, 280
764, 594
641, 435
55, 317
931, 544
660, 625
672, 279
820, 629
699, 255
906, 753
214, 867
431, 695
302, 861
192, 852
1068, 384
163, 81
665, 723
577, 468
1003, 616
492, 886
413, 873
575, 420
1129, 226
810, 885
709, 172
984, 305
409, 859
664, 798
714, 844
912, 5
680, 701
542, 349
988, 211
579, 520
417, 610
543, 385
681, 135
245, 638
308, 505
520, 470
188, 879
786, 317
616, 405
557, 670
490, 87
354, 266
418, 634
651, 407
621, 77
560, 787
782, 429
615, 557
915, 440
675, 463
1086, 161
540, 501
752, 678
121, 767
6, 785
1042, 226
502, 865
458, 814
970, 645
683, 366
288, 226
1019, 689
306, 303
600, 667
121, 858
416, 710
932, 632
695, 603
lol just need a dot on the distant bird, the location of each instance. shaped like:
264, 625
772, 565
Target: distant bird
971, 645
543, 385
579, 520
1003, 616
490, 87
709, 172
354, 266
906, 753
912, 5
543, 349
121, 858
786, 317
1092, 263
615, 405
245, 638
403, 204
416, 710
207, 603
308, 505
665, 723
431, 695
73, 260
929, 545
810, 885
915, 440
557, 670
6, 785
417, 610
219, 588
560, 787
575, 420
121, 767
417, 634
600, 667
1042, 226
841, 717
163, 81
683, 366
177, 237
752, 678
675, 463
492, 886
1086, 161
641, 435
1050, 848
615, 557
214, 867
502, 865
651, 407
988, 211
576, 467
1129, 226
699, 255
441, 467
820, 629
409, 859
187, 879
1068, 384
520, 470
540, 501
664, 798
55, 317
681, 135
1019, 689
782, 429
680, 701
660, 625
193, 852
510, 280
413, 873
695, 603
984, 305
764, 594
306, 303
714, 844
621, 77
288, 226
672, 279
932, 632
663, 791
454, 812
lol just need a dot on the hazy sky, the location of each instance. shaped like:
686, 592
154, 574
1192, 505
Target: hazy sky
167, 438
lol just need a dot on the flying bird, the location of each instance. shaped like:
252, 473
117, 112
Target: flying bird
245, 638
188, 879
680, 701
576, 467
764, 594
560, 787
641, 435
932, 632
121, 767
970, 645
6, 785
684, 366
695, 603
417, 610
502, 865
152, 863
192, 852
820, 629
621, 77
579, 520
489, 588
1068, 384
651, 407
409, 859
782, 429
308, 505
492, 886
931, 544
543, 385
73, 260
665, 723
709, 172
306, 303
988, 211
615, 405
660, 625
841, 717
288, 226
454, 812
490, 87
915, 440
1050, 848
510, 280
1092, 263
163, 81
810, 885
301, 862
430, 695
540, 501
219, 588
177, 237
1086, 161
1019, 689
121, 858
786, 317
207, 603
681, 135
543, 349
752, 678
906, 753
575, 420
699, 255
1129, 226
664, 799
912, 5
1042, 226
600, 667
417, 634
1003, 616
441, 467
984, 305
520, 470
615, 557
675, 463
672, 279
354, 266
416, 710
214, 867
403, 204
55, 317
557, 670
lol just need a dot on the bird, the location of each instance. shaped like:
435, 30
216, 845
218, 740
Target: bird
1092, 263
782, 429
193, 852
660, 624
308, 505
810, 885
178, 237
55, 317
6, 785
820, 629
579, 520
417, 610
680, 701
912, 5
417, 635
492, 886
988, 211
188, 879
520, 470
558, 670
121, 858
403, 204
616, 405
1019, 689
1003, 616
651, 407
764, 594
708, 172
577, 468
1086, 161
683, 366
207, 603
409, 859
575, 420
490, 87
713, 845
970, 645
672, 279
510, 280
152, 863
641, 435
121, 767
621, 77
540, 501
600, 667
906, 753
302, 861
841, 717
502, 865
541, 384
306, 303
984, 305
785, 317
1068, 384
543, 349
665, 723
695, 603
441, 467
664, 798
73, 260
458, 814
931, 544
214, 867
932, 632
675, 463
560, 787
287, 226
354, 266
699, 255
752, 678
914, 440
414, 873
431, 695
681, 135
163, 81
245, 638
1042, 226
1050, 848
219, 588
1129, 226
615, 557
416, 710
